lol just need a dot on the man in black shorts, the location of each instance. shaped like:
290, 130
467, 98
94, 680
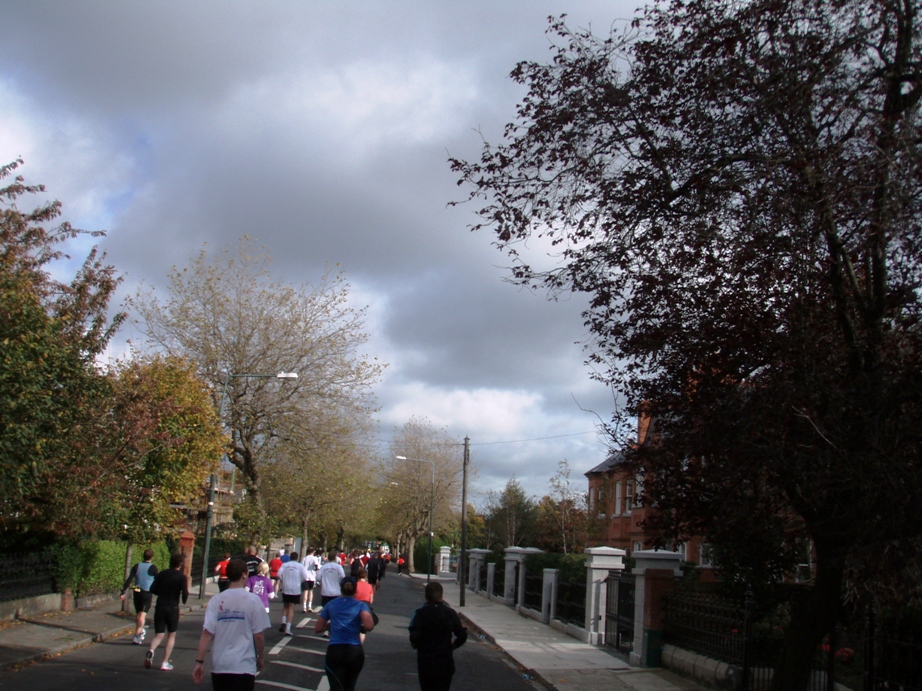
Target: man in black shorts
142, 574
168, 586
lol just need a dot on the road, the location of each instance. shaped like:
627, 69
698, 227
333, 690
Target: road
294, 663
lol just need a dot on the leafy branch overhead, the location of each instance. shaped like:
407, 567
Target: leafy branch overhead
736, 187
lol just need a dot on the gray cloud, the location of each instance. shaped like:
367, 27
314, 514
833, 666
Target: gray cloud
323, 132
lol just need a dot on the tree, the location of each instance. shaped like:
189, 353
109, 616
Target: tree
432, 469
736, 187
562, 516
510, 516
182, 442
229, 318
51, 391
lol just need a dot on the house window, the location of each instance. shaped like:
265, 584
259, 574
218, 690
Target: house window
628, 497
706, 553
638, 546
618, 510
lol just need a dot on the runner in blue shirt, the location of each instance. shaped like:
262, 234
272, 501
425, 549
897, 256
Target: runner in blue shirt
346, 618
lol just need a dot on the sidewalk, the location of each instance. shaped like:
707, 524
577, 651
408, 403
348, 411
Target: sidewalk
554, 659
557, 660
40, 635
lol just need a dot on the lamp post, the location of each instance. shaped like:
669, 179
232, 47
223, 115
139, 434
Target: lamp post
431, 509
462, 561
209, 516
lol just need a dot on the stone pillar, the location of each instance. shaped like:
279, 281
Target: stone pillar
549, 595
656, 573
599, 562
515, 556
186, 546
475, 560
444, 561
491, 579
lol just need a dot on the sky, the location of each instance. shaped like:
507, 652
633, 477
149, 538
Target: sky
322, 130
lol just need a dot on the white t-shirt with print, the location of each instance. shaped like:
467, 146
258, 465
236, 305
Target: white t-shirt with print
233, 617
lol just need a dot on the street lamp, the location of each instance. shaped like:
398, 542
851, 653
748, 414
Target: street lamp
209, 516
431, 509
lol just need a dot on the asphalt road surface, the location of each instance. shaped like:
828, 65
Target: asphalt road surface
294, 663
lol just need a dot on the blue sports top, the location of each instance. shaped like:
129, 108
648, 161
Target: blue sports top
143, 578
344, 615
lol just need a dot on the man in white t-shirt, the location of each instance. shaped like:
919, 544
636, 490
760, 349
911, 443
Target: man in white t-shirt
311, 564
290, 576
234, 624
329, 575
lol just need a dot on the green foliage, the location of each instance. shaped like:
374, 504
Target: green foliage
572, 567
421, 553
52, 399
98, 566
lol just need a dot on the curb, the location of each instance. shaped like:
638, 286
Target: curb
87, 640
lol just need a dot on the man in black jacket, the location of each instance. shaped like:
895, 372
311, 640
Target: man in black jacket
431, 631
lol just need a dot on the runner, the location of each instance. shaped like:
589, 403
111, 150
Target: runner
221, 570
291, 576
346, 618
311, 564
431, 631
261, 585
143, 575
168, 586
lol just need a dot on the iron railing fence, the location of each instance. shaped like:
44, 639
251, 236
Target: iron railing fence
534, 587
571, 602
26, 575
499, 581
484, 573
856, 655
892, 657
705, 624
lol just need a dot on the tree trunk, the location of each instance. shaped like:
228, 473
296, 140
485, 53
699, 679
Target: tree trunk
411, 548
813, 619
304, 544
126, 603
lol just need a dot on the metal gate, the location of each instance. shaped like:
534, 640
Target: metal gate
619, 611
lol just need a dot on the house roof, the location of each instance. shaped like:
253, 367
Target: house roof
615, 459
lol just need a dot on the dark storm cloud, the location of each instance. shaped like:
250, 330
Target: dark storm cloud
322, 131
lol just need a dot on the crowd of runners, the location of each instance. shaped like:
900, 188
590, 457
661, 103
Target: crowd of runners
236, 618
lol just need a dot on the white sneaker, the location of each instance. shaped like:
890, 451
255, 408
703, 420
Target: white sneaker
166, 666
136, 640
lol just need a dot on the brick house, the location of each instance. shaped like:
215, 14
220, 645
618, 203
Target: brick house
614, 506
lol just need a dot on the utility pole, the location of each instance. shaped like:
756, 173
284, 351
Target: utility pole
462, 562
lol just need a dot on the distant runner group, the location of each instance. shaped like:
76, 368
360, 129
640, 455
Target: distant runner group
236, 618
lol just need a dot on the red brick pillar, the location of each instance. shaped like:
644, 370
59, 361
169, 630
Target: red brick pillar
186, 545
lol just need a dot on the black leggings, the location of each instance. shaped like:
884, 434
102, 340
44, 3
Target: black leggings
343, 665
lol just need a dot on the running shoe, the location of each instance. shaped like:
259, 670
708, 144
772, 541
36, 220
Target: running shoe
143, 633
282, 628
288, 632
149, 660
136, 639
166, 666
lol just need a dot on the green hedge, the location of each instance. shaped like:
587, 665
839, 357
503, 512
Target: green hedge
421, 553
98, 566
572, 567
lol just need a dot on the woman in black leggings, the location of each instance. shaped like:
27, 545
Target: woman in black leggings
346, 618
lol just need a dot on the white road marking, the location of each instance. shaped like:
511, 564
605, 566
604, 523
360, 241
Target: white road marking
304, 622
280, 646
312, 652
324, 684
281, 685
294, 664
